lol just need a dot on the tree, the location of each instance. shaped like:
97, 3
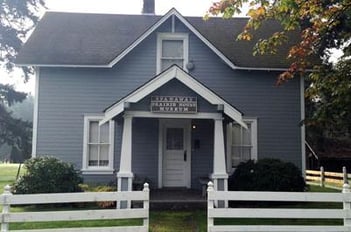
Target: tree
17, 18
323, 25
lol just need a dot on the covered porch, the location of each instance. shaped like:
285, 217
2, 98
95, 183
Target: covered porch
182, 103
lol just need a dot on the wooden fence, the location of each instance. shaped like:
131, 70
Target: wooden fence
327, 179
279, 213
7, 199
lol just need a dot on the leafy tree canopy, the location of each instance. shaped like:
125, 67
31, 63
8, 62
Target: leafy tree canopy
17, 18
323, 25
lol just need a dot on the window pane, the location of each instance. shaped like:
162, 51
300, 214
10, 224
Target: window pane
104, 133
93, 155
93, 132
241, 144
236, 134
246, 136
104, 151
174, 139
172, 48
245, 153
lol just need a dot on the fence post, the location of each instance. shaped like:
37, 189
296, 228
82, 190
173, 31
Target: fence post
210, 205
346, 204
6, 208
322, 177
345, 178
146, 204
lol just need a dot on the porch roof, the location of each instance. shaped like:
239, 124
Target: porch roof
174, 72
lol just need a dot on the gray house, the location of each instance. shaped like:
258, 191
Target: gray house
169, 98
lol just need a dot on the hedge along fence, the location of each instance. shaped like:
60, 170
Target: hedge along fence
329, 179
278, 213
7, 199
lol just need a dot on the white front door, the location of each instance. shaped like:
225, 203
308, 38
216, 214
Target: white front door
176, 153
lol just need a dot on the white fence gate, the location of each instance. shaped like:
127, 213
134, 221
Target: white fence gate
279, 213
7, 217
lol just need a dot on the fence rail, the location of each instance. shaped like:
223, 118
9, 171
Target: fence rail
7, 200
327, 179
278, 213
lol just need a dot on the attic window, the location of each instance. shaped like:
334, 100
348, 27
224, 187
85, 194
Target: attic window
172, 48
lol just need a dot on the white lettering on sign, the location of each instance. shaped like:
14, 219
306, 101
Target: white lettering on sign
173, 104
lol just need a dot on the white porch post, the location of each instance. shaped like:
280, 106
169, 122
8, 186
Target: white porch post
219, 175
125, 175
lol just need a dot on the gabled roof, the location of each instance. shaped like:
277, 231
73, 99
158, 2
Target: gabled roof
174, 72
101, 40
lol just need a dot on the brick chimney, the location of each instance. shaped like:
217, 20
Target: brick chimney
149, 7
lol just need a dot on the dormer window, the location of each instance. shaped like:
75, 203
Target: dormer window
172, 48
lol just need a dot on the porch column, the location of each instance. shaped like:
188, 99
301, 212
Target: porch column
219, 175
125, 175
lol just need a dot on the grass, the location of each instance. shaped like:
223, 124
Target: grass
162, 221
8, 173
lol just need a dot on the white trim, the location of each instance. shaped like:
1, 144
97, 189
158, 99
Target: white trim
163, 123
97, 170
35, 113
303, 132
173, 72
160, 153
172, 36
254, 141
147, 114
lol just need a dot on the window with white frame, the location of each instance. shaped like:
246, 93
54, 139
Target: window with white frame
98, 144
172, 48
241, 143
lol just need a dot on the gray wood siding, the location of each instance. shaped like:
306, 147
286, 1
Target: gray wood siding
67, 94
202, 157
145, 149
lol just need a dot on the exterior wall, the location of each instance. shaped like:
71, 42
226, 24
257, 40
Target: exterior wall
145, 149
202, 157
67, 94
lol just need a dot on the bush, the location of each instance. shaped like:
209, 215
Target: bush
267, 175
48, 175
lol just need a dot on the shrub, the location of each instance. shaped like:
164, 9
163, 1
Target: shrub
48, 175
267, 175
105, 204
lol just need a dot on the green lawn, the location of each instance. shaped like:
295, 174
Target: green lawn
8, 173
160, 221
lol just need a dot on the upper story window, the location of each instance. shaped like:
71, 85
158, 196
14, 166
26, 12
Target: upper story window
98, 145
241, 143
172, 48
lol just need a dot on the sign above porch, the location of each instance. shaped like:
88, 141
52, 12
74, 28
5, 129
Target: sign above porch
174, 104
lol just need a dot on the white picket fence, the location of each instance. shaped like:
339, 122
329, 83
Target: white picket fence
7, 199
278, 213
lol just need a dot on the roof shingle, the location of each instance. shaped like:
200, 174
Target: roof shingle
85, 39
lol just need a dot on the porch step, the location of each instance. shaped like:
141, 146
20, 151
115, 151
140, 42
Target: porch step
177, 205
176, 199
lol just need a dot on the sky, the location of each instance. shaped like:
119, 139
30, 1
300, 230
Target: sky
185, 7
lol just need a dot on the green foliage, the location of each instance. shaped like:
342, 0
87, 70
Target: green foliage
331, 99
267, 175
105, 204
321, 27
17, 18
48, 175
